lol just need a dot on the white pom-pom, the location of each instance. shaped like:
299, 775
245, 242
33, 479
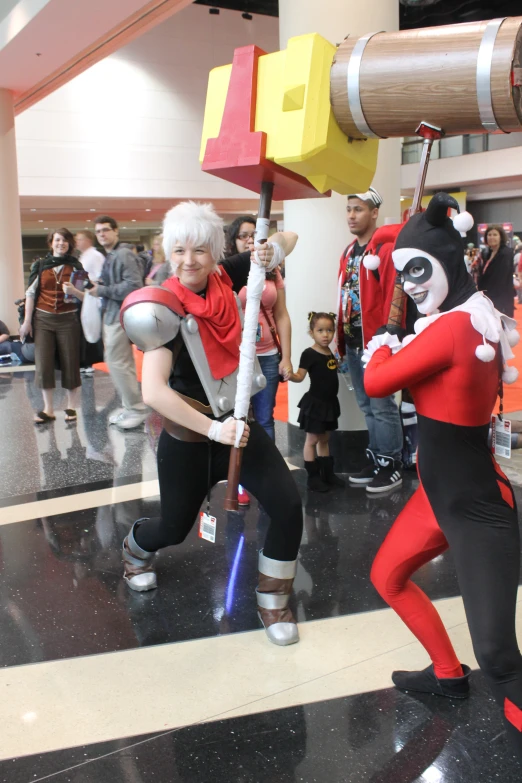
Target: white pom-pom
485, 352
371, 262
513, 337
510, 374
463, 222
407, 340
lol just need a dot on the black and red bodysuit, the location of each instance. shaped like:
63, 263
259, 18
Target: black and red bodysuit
464, 502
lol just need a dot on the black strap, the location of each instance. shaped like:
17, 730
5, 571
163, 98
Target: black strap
273, 330
500, 385
209, 477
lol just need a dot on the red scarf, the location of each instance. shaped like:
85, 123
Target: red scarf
218, 320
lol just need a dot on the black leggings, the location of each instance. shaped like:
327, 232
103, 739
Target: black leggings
466, 503
183, 479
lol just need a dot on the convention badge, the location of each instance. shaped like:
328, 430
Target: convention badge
501, 437
259, 333
207, 527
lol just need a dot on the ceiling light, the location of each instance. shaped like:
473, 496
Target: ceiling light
46, 228
33, 210
133, 220
92, 210
147, 210
89, 221
40, 221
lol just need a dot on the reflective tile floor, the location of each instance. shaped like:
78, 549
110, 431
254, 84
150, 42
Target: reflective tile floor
101, 684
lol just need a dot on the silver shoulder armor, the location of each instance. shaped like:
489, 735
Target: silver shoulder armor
151, 317
150, 325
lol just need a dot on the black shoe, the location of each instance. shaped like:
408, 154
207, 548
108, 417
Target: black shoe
388, 475
367, 474
315, 482
326, 469
426, 681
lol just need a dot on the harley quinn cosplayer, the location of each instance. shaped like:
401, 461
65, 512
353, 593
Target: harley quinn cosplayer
454, 366
190, 331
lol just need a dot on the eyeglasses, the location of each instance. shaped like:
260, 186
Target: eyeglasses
103, 230
247, 235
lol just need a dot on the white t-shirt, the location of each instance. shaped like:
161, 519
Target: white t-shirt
92, 261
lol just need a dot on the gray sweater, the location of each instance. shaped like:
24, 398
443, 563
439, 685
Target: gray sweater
120, 276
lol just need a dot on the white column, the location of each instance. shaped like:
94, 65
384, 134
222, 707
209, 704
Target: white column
311, 272
11, 260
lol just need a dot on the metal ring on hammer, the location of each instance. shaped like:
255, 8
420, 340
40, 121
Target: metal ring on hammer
484, 66
353, 75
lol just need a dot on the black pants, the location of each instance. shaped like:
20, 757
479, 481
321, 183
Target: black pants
466, 503
183, 478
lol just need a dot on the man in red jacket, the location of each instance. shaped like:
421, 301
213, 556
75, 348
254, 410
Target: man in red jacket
365, 300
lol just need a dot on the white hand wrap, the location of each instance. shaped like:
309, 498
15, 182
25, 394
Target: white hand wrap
240, 428
214, 432
278, 258
377, 342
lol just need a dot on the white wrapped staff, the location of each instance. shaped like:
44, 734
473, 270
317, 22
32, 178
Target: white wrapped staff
247, 350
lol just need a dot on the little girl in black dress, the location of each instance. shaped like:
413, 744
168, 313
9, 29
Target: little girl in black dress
319, 407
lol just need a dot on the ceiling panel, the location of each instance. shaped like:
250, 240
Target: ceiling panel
411, 16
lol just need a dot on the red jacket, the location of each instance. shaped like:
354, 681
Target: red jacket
375, 288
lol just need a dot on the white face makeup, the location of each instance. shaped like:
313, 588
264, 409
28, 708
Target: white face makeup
423, 277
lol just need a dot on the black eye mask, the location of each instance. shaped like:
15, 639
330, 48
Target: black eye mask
413, 263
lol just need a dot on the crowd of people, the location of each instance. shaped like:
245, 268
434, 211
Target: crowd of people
181, 305
51, 334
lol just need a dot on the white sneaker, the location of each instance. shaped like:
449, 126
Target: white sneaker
131, 419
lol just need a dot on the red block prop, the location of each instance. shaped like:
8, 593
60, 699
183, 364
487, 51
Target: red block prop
238, 154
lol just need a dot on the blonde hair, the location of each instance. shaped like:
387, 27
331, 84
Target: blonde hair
193, 224
159, 252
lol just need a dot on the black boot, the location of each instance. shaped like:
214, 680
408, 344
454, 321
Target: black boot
427, 681
315, 482
326, 468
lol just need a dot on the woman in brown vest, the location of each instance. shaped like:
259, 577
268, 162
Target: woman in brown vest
54, 324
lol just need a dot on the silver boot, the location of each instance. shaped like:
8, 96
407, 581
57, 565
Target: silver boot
276, 578
137, 564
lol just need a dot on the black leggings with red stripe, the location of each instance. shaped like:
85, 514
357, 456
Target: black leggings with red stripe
467, 504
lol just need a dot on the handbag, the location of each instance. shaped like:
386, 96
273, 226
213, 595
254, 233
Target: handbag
91, 318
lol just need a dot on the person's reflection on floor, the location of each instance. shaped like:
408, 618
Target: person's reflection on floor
95, 425
319, 554
76, 587
422, 748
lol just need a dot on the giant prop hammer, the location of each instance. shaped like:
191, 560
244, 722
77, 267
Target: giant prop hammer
304, 121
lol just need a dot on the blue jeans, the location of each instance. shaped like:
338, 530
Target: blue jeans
382, 414
263, 403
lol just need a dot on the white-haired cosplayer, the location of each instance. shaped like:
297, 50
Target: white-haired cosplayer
193, 224
190, 331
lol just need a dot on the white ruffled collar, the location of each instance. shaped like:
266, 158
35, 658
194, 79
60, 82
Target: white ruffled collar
485, 319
